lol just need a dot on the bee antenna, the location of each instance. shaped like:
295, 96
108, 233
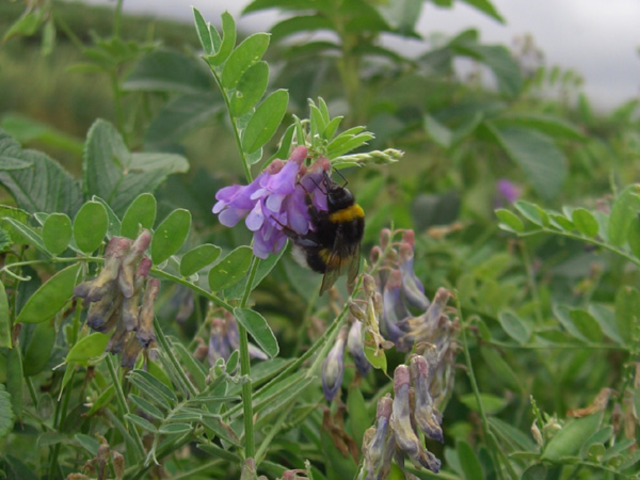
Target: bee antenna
346, 182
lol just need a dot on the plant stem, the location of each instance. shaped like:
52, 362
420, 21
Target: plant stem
494, 449
245, 369
122, 403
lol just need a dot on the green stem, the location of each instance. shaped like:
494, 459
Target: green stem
573, 236
275, 428
245, 369
234, 126
117, 19
494, 449
122, 404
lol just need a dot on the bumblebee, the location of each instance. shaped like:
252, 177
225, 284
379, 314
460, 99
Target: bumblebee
332, 245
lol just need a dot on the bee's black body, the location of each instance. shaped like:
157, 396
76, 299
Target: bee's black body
332, 247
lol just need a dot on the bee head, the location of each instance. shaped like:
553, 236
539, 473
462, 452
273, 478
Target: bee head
338, 197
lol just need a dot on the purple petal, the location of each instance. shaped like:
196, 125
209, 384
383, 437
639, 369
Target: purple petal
231, 216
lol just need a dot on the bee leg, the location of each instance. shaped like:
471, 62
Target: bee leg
301, 240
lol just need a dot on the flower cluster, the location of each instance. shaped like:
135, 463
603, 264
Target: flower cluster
392, 310
274, 201
399, 420
114, 297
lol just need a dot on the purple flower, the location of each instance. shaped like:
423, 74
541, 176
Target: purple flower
507, 190
274, 201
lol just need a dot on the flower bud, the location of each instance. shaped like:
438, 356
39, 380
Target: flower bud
355, 345
333, 366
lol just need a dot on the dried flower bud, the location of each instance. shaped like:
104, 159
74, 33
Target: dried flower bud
400, 422
536, 434
427, 419
132, 349
145, 319
378, 448
130, 263
103, 314
94, 290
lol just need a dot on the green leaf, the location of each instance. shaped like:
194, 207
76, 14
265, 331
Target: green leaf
15, 380
498, 58
244, 56
146, 406
358, 416
27, 130
509, 221
140, 214
535, 472
486, 7
438, 132
6, 412
568, 441
265, 121
26, 25
194, 368
627, 308
90, 226
514, 326
180, 116
532, 212
168, 70
36, 182
38, 351
146, 382
87, 348
402, 15
633, 236
141, 422
51, 297
25, 234
250, 89
624, 211
259, 329
578, 323
375, 356
197, 258
469, 461
175, 428
228, 41
170, 235
548, 124
537, 155
111, 172
203, 31
492, 403
584, 221
114, 224
56, 233
5, 320
230, 269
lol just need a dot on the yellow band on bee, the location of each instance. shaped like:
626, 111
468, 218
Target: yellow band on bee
347, 214
332, 260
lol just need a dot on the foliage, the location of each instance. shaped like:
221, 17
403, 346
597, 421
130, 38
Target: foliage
523, 208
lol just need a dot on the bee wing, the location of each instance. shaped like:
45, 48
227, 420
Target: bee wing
339, 251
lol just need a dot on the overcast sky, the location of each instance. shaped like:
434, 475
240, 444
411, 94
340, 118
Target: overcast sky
597, 38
